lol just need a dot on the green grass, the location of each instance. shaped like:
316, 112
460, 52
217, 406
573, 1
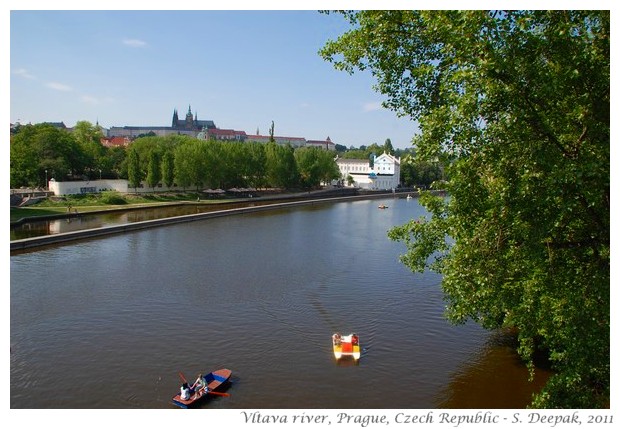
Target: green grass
100, 202
18, 213
115, 198
110, 200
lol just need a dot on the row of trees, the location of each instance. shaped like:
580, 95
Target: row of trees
419, 173
517, 106
42, 151
189, 162
365, 152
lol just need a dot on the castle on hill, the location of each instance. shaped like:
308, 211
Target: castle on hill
190, 126
206, 130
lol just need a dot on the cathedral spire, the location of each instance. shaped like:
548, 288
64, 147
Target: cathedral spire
189, 119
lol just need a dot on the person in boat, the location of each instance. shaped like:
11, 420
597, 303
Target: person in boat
185, 392
337, 339
354, 339
200, 384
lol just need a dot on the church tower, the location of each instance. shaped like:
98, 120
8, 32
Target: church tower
189, 119
175, 119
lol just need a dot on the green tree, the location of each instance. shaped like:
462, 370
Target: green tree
88, 137
419, 173
149, 143
145, 146
40, 151
215, 169
167, 169
387, 147
280, 166
228, 165
134, 170
153, 172
328, 168
307, 160
191, 163
364, 152
315, 166
24, 158
116, 162
355, 154
271, 131
516, 104
256, 164
182, 168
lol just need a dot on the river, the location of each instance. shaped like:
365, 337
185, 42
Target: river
109, 323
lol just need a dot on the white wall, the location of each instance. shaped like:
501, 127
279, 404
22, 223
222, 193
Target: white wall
94, 186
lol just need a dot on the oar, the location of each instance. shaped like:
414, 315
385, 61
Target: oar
211, 392
182, 377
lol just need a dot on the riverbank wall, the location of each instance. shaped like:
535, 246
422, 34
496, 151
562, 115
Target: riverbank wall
278, 203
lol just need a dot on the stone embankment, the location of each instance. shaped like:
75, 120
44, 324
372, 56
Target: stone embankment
290, 200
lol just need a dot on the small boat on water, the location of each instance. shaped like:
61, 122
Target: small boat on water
213, 381
346, 346
383, 206
409, 197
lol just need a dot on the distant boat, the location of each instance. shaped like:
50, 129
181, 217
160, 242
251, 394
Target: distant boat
346, 346
383, 206
409, 197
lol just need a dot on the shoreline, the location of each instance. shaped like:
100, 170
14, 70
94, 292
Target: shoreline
279, 202
188, 202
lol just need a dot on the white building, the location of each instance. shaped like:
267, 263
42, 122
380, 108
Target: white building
222, 135
384, 174
293, 141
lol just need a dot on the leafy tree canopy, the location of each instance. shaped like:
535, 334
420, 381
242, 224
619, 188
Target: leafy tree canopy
42, 150
516, 106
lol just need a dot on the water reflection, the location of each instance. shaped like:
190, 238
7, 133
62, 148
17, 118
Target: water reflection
36, 227
481, 382
81, 221
258, 293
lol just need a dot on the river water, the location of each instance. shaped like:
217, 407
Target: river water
110, 323
38, 227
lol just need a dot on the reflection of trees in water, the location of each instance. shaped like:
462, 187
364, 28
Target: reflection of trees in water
482, 382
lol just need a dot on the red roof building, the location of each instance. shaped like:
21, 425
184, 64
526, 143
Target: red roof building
227, 135
322, 144
116, 141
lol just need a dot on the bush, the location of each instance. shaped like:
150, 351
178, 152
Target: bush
112, 197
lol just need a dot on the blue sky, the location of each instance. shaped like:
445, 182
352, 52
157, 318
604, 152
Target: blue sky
241, 69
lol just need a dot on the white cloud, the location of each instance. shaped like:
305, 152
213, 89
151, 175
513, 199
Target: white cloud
89, 99
134, 43
23, 73
372, 106
59, 86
